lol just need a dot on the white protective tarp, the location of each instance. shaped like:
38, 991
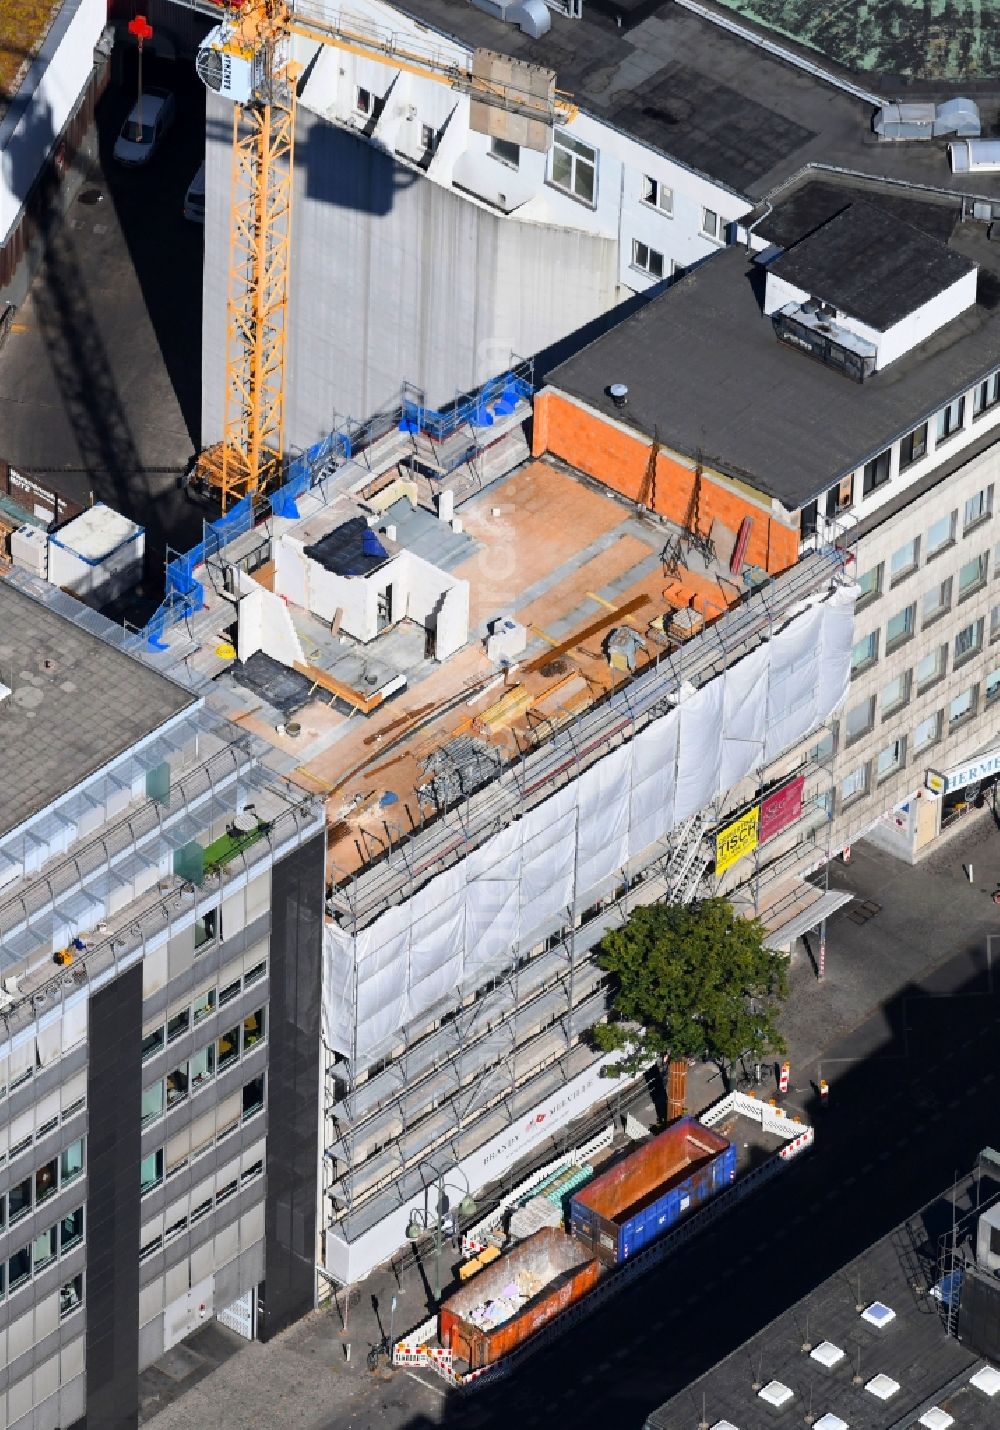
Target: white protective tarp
529, 877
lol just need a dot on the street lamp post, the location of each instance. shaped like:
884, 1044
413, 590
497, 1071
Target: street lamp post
420, 1222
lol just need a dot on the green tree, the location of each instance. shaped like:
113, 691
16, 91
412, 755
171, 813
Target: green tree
691, 979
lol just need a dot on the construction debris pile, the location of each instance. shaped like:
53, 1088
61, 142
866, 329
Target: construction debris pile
489, 1314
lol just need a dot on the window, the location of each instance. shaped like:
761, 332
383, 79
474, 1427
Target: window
153, 1043
202, 1209
913, 447
855, 785
963, 707
204, 1006
71, 1297
870, 584
71, 1227
931, 668
202, 1066
890, 759
876, 473
228, 1048
859, 719
904, 561
574, 166
993, 684
3, 1211
978, 508
152, 1103
175, 1229
177, 1085
928, 732
941, 534
150, 1248
206, 929
18, 1269
227, 994
950, 419
251, 1173
713, 225
43, 1248
229, 1190
995, 623
71, 1162
19, 1201
647, 259
151, 1171
864, 653
364, 102
657, 195
253, 1029
46, 1181
968, 641
895, 694
809, 520
255, 974
972, 576
824, 750
900, 627
506, 152
428, 138
178, 1025
935, 603
987, 395
840, 498
253, 1097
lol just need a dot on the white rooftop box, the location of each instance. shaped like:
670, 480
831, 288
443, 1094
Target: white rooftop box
98, 555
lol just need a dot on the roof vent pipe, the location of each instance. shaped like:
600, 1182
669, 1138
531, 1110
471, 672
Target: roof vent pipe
619, 394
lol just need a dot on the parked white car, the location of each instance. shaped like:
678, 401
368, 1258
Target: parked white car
146, 125
194, 199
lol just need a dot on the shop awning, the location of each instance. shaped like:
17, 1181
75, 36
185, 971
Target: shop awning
805, 910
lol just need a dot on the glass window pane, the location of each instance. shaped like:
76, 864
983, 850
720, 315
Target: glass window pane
153, 1043
71, 1161
585, 180
152, 1103
18, 1269
961, 706
204, 1006
903, 560
927, 731
930, 667
562, 167
71, 1296
899, 626
227, 994
993, 684
151, 1171
177, 1085
178, 1025
870, 583
253, 1097
228, 1048
860, 718
255, 974
896, 693
46, 1182
202, 1066
19, 1200
941, 534
44, 1248
71, 1230
253, 1028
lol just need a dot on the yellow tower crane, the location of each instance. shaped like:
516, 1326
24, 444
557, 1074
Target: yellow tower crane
248, 59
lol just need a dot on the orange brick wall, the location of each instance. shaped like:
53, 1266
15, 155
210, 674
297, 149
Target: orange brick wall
589, 442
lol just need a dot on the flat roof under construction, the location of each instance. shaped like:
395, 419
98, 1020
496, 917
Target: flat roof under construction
76, 703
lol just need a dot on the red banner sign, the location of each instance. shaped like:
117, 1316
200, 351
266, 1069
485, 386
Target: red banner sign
781, 808
140, 28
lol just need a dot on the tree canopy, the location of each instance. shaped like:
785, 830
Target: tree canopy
691, 979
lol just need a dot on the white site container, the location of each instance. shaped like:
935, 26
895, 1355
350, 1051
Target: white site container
97, 555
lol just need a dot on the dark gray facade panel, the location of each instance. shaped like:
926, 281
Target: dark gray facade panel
113, 1219
297, 891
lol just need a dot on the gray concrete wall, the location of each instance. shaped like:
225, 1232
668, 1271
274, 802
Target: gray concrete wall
395, 277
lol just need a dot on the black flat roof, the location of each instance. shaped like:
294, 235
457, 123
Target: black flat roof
870, 264
708, 98
351, 549
913, 1349
704, 367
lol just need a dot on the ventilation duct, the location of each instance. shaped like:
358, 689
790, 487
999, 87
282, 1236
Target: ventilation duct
531, 17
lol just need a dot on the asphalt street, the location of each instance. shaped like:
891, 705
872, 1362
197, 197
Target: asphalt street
911, 1004
100, 377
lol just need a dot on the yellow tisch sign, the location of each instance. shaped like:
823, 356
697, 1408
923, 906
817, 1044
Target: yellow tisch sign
737, 839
